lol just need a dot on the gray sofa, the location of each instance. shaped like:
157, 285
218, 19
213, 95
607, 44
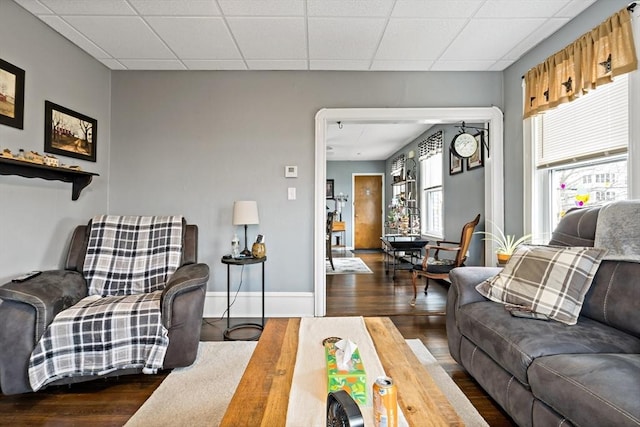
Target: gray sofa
545, 373
27, 308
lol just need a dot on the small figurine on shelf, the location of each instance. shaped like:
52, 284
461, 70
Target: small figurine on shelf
50, 160
6, 153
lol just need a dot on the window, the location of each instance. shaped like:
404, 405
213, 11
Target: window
581, 152
431, 160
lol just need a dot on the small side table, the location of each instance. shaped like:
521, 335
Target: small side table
259, 326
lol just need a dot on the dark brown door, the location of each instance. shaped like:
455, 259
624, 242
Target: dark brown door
367, 210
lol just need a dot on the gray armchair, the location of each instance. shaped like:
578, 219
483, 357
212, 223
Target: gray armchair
27, 308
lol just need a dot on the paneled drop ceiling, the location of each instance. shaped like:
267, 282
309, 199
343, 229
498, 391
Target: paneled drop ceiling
370, 35
347, 35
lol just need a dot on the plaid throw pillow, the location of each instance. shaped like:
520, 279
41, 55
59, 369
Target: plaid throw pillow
549, 280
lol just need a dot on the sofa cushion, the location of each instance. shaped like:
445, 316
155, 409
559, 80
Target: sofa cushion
590, 389
548, 280
515, 342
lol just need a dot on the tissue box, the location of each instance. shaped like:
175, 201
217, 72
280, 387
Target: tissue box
353, 382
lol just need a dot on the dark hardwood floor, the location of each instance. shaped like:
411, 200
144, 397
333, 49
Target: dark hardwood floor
110, 402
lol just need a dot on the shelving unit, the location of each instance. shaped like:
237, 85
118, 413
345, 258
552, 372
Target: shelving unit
79, 179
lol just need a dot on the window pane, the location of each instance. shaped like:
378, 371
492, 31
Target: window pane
586, 185
432, 211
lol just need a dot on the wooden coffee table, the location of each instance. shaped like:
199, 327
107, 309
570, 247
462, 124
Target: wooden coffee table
262, 397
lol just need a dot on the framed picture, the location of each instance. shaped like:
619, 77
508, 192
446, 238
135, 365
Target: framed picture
455, 163
11, 95
477, 159
69, 133
329, 189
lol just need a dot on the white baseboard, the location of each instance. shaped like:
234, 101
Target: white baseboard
249, 304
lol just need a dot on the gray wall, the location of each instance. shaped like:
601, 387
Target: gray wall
342, 174
513, 154
194, 142
37, 216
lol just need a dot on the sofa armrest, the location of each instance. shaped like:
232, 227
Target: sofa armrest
465, 279
187, 278
48, 293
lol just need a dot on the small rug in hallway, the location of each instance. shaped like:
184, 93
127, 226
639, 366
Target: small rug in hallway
199, 394
348, 266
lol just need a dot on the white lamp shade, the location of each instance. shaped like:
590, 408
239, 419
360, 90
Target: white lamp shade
245, 212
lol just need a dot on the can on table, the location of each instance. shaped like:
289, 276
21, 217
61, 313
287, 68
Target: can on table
385, 403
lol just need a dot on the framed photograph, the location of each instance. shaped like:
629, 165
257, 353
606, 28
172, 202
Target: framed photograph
329, 189
477, 159
11, 95
69, 133
455, 163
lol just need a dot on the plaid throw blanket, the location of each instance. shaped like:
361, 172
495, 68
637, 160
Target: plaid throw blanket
132, 254
99, 335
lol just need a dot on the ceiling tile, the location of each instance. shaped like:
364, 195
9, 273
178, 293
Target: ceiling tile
74, 36
202, 64
262, 7
436, 8
417, 39
270, 38
484, 39
500, 65
152, 64
530, 41
112, 64
401, 65
573, 8
350, 65
84, 7
520, 8
299, 64
121, 36
34, 7
462, 65
349, 8
196, 37
344, 38
176, 7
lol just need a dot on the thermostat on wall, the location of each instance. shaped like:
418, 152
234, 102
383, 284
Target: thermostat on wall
290, 171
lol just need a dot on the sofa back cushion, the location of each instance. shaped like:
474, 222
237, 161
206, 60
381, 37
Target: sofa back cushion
615, 290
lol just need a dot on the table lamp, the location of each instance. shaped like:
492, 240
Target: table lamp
244, 213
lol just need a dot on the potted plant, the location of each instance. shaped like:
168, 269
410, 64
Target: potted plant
506, 243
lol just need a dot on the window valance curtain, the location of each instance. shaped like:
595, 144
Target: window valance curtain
593, 59
431, 146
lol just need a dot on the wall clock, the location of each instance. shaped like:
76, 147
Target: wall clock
464, 145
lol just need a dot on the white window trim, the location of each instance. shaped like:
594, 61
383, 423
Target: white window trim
533, 218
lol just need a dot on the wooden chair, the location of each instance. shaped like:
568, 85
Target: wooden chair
435, 268
330, 217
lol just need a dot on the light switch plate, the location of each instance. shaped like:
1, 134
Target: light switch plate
291, 193
290, 171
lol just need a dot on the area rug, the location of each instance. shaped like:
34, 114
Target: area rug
348, 266
199, 395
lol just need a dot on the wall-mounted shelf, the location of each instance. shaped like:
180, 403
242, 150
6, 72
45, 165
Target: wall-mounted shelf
408, 181
79, 179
